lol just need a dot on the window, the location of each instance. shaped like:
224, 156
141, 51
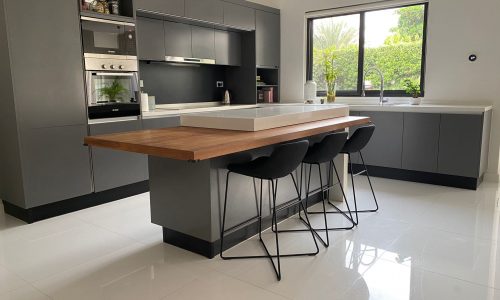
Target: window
392, 40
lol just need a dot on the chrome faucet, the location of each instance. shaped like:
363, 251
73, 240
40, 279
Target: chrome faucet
363, 88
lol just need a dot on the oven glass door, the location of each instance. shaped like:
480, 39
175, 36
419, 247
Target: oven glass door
108, 38
107, 87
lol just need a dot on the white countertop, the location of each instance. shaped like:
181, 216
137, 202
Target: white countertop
177, 110
264, 117
423, 108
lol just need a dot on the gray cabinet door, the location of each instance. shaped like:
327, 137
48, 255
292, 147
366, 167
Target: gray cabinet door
203, 40
151, 39
239, 16
386, 145
227, 48
421, 142
46, 58
113, 168
158, 123
56, 164
460, 145
267, 39
170, 7
177, 39
205, 10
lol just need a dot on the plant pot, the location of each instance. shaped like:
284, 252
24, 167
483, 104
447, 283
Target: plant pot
415, 101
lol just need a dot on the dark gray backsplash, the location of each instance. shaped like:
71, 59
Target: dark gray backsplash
182, 83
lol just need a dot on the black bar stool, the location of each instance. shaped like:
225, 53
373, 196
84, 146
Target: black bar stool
323, 152
285, 159
355, 144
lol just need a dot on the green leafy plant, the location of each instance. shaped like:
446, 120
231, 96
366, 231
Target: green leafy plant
330, 72
114, 91
412, 88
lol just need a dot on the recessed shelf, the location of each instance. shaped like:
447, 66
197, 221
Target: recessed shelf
111, 17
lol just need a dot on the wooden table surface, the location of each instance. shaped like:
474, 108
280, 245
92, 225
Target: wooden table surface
190, 143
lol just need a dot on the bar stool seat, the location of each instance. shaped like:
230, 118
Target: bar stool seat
325, 152
284, 160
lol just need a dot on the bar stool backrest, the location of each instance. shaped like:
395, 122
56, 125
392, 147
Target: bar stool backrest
286, 158
359, 139
327, 149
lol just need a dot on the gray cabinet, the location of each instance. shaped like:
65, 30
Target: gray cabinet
203, 42
239, 16
421, 142
205, 10
112, 168
460, 145
151, 39
56, 164
227, 48
46, 60
177, 39
267, 39
170, 7
385, 147
158, 123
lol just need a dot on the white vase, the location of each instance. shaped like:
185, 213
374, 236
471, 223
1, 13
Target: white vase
415, 101
310, 90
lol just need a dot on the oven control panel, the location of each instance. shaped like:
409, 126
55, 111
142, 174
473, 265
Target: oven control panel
122, 64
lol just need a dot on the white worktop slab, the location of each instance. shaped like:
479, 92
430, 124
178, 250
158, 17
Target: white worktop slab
263, 117
165, 112
423, 108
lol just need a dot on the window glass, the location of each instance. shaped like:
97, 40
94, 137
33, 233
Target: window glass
338, 36
393, 42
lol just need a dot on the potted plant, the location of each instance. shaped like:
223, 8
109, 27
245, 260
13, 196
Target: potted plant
330, 72
114, 91
413, 89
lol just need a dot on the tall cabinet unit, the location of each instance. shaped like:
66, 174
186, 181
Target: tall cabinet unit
45, 90
267, 50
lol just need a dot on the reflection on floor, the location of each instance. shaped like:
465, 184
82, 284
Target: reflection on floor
427, 242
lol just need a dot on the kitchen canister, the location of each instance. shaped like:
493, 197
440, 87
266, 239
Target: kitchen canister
144, 102
310, 90
152, 102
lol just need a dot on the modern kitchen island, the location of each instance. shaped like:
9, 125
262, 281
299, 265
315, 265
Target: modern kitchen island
187, 166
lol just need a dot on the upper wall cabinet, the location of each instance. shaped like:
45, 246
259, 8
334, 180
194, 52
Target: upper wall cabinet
227, 48
239, 16
177, 39
205, 10
267, 39
170, 7
203, 42
150, 36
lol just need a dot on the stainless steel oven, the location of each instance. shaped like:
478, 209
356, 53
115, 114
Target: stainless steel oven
108, 37
112, 86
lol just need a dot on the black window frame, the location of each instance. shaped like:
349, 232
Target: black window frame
361, 54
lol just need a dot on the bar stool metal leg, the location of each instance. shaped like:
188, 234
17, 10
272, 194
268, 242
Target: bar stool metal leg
274, 221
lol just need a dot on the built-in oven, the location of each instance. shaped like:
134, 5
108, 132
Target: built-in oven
102, 36
112, 86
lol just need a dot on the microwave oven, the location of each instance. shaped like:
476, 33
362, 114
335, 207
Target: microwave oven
108, 37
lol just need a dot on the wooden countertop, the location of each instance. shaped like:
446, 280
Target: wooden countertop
189, 143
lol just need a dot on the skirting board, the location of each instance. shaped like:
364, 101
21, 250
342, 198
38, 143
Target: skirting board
39, 213
469, 183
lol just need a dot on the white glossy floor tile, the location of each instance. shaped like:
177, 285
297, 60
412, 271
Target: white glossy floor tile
426, 242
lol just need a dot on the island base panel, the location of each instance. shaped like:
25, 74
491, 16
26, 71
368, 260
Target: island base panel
187, 199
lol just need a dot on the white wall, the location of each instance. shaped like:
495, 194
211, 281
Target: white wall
456, 28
